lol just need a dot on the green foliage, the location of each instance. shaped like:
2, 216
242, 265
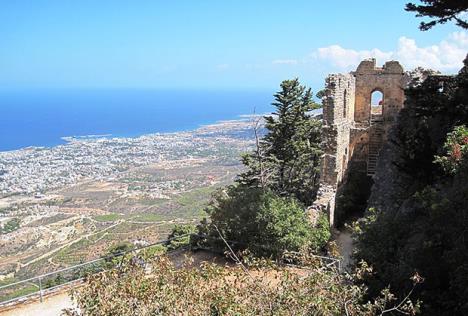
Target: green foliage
287, 160
261, 221
441, 11
264, 211
432, 110
152, 251
426, 229
180, 236
10, 226
320, 94
56, 280
211, 289
119, 248
427, 238
456, 147
320, 234
114, 253
18, 292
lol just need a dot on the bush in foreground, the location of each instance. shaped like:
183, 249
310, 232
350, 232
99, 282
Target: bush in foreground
262, 222
211, 289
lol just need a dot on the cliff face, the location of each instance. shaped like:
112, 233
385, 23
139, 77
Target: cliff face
421, 218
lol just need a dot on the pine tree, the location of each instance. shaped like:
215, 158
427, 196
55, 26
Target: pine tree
287, 159
440, 11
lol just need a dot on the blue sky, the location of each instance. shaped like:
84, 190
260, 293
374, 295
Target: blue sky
209, 44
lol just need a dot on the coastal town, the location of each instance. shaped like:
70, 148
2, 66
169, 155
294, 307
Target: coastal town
68, 203
35, 170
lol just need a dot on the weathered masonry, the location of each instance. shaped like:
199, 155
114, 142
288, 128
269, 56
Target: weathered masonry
358, 110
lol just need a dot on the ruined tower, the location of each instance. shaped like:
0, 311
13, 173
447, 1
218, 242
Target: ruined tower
354, 129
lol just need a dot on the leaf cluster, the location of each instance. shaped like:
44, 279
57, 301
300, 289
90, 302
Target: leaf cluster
441, 11
456, 147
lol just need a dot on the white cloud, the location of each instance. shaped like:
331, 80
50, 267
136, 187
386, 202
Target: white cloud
344, 58
446, 56
285, 62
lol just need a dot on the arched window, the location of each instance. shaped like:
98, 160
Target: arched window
345, 102
377, 99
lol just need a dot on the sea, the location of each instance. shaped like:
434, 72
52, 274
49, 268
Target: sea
41, 118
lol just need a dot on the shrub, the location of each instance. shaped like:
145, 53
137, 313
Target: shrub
179, 236
262, 222
456, 148
114, 253
320, 234
211, 289
10, 226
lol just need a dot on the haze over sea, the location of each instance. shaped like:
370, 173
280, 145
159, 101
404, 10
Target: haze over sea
42, 118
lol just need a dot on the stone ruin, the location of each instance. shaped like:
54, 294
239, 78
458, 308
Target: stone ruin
354, 129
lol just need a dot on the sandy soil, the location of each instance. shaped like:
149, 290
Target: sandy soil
51, 306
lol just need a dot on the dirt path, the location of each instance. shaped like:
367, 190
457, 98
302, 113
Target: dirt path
51, 306
345, 243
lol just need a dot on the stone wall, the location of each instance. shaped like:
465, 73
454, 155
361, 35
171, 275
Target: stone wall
338, 113
348, 125
390, 80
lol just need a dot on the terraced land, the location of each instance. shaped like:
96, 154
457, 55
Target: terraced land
136, 205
